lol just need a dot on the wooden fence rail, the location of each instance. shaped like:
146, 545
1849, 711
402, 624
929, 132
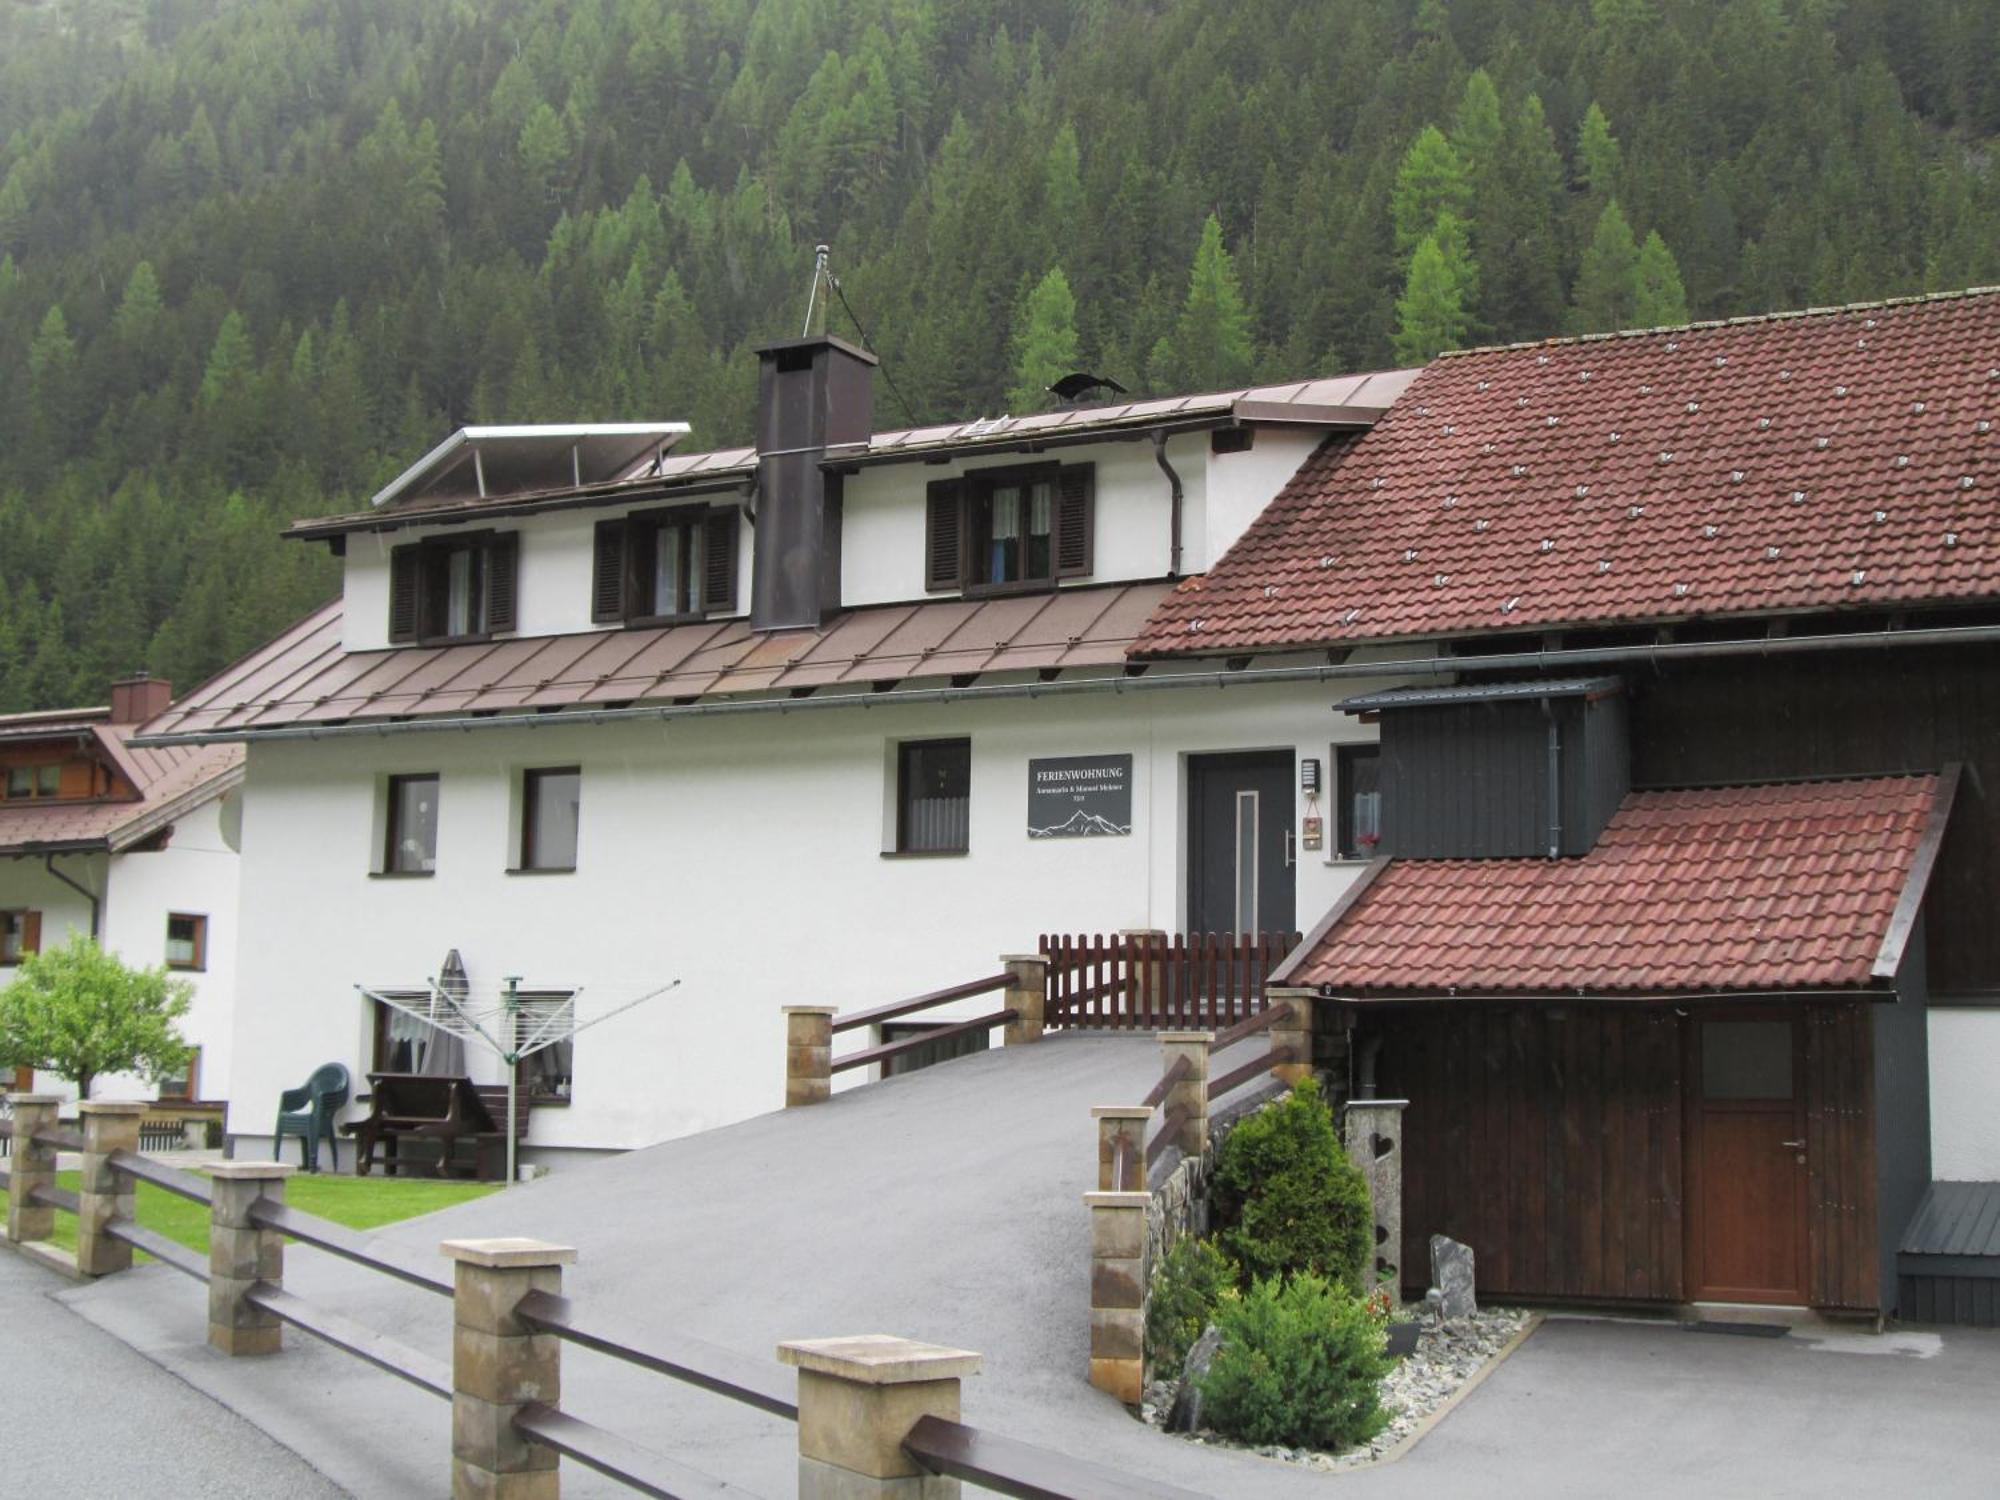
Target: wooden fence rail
1156, 981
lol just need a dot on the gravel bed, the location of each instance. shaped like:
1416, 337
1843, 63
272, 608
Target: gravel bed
1446, 1357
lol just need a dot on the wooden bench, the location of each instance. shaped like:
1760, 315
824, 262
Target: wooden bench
443, 1113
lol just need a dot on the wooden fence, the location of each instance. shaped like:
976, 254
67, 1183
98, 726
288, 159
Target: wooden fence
1155, 981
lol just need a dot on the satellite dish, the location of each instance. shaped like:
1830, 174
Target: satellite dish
1074, 387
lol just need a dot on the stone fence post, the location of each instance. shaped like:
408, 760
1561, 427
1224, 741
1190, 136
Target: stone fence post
1293, 1031
1120, 1125
240, 1254
1027, 990
808, 1054
858, 1399
34, 1166
108, 1126
1375, 1146
1190, 1093
498, 1366
1118, 1273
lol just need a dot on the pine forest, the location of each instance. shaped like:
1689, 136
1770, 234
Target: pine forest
258, 255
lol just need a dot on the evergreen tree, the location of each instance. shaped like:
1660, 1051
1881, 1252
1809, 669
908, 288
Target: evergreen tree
1209, 347
1661, 300
1045, 343
231, 362
1606, 294
1431, 315
1598, 155
1432, 181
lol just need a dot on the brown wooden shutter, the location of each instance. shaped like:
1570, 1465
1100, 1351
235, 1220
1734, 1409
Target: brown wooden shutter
503, 581
607, 582
1076, 519
405, 588
718, 586
31, 932
944, 535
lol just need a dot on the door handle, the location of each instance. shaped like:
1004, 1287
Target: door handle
1793, 1145
1289, 859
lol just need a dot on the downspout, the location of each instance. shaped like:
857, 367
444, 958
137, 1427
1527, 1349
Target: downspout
96, 905
1555, 780
1371, 1049
1175, 490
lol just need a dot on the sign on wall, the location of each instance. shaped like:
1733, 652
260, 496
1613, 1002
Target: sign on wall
1079, 796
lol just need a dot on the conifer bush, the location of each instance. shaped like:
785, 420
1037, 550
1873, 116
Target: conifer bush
1191, 1283
1301, 1364
1288, 1198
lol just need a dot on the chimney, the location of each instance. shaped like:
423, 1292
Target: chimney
140, 697
814, 402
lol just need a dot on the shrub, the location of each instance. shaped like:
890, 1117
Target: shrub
1192, 1280
1301, 1364
1290, 1199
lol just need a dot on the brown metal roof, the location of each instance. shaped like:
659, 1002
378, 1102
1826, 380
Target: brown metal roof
306, 677
1337, 401
169, 780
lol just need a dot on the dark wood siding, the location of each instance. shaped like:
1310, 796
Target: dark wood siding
1549, 1138
1840, 1158
1849, 714
1551, 1146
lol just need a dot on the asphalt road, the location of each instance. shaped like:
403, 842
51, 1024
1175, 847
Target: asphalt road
946, 1205
86, 1416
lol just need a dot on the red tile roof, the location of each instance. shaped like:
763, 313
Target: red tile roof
170, 780
1779, 888
1820, 460
305, 677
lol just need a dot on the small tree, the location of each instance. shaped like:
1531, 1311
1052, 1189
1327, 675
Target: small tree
1288, 1198
79, 1012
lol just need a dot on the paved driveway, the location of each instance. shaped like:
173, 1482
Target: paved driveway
945, 1205
85, 1416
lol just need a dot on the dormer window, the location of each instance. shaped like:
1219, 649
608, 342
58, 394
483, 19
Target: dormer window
461, 588
1009, 530
663, 567
32, 783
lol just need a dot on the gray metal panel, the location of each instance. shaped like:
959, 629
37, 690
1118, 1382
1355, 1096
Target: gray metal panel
1956, 1218
1970, 1301
1902, 1107
1465, 781
1596, 767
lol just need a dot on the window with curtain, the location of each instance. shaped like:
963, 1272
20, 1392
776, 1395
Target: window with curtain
933, 796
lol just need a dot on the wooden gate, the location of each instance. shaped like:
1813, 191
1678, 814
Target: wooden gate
1158, 981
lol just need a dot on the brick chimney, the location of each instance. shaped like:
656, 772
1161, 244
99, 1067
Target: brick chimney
814, 400
137, 698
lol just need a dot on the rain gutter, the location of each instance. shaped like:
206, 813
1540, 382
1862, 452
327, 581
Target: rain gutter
1654, 654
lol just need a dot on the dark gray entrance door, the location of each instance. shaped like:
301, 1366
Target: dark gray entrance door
1240, 850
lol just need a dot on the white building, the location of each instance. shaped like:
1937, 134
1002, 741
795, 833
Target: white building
598, 715
135, 846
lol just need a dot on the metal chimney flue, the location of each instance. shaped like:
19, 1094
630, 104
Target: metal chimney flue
815, 403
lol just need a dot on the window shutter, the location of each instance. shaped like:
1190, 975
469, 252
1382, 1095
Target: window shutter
607, 583
405, 584
718, 588
31, 932
944, 535
503, 581
1076, 519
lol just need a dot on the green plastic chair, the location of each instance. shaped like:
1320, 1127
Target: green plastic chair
308, 1114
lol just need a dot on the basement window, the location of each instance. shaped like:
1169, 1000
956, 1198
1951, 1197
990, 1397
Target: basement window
182, 1085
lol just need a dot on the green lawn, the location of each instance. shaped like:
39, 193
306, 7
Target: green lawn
358, 1202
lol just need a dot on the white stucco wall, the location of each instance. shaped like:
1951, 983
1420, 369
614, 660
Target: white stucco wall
195, 874
740, 855
1965, 1095
1240, 485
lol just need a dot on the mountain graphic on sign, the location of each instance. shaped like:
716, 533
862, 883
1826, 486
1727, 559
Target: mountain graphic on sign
1081, 824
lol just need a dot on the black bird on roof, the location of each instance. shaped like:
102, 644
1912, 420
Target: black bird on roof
1076, 386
